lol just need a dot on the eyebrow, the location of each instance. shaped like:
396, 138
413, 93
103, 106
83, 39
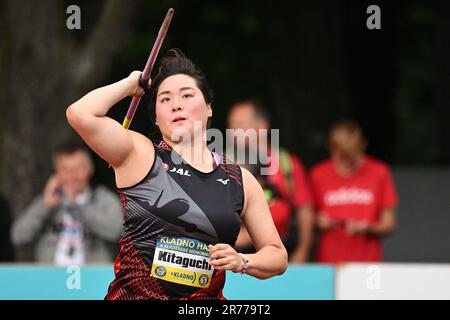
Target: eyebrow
182, 89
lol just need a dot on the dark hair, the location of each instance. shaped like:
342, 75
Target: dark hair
175, 62
348, 125
69, 148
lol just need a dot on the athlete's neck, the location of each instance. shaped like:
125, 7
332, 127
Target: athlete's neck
195, 153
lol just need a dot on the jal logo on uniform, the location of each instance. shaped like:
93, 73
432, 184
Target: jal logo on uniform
181, 172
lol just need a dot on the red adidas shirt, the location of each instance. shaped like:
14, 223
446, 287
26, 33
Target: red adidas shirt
360, 197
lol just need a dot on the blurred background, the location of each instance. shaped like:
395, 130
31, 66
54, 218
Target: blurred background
310, 62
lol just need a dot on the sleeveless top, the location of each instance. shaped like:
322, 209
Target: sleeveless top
170, 218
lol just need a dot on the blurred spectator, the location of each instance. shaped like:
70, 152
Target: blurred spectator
355, 198
287, 191
6, 248
71, 223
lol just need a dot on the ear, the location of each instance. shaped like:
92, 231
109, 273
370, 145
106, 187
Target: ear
210, 113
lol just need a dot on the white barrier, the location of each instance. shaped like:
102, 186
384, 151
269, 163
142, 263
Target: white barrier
390, 281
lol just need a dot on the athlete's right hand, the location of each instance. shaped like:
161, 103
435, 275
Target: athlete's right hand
52, 197
135, 90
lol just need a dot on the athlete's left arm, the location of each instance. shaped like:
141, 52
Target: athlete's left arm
271, 257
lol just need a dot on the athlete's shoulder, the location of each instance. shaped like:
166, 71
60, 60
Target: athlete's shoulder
138, 136
227, 157
138, 163
227, 161
249, 182
142, 144
231, 169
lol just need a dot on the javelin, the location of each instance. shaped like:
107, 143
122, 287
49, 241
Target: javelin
149, 66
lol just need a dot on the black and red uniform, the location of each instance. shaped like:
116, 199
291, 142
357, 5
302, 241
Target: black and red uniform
175, 199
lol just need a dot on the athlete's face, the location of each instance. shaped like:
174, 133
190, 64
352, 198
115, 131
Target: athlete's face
74, 172
180, 105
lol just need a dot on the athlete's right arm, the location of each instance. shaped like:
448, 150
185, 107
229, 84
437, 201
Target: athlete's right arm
104, 135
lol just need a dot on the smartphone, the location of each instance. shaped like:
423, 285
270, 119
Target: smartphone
60, 192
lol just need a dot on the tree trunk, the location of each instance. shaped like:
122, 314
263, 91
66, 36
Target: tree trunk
43, 70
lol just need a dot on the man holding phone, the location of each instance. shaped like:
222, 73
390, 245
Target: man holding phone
71, 223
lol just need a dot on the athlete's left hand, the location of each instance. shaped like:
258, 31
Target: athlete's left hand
224, 257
